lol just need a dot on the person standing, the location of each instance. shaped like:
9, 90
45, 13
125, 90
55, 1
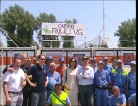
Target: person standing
101, 82
58, 97
53, 78
131, 80
119, 77
61, 68
114, 63
13, 84
106, 66
49, 60
39, 82
117, 99
85, 76
27, 89
69, 81
93, 64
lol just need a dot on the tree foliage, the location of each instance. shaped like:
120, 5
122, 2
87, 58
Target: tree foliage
43, 17
19, 25
67, 44
127, 33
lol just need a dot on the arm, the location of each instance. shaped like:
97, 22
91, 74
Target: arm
47, 81
80, 75
63, 77
49, 101
68, 102
123, 100
91, 73
5, 90
8, 69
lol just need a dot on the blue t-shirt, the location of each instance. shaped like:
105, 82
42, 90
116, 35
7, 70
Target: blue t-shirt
131, 79
113, 101
118, 78
132, 99
53, 79
101, 79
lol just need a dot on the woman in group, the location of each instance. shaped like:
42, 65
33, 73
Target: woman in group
69, 81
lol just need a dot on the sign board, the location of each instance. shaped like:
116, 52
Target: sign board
63, 29
128, 57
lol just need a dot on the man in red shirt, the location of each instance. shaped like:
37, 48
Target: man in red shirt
60, 69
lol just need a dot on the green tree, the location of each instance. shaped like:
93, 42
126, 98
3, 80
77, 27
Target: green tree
19, 25
127, 33
43, 17
70, 43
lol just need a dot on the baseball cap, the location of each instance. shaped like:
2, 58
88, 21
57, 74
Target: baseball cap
105, 58
133, 62
49, 58
92, 60
100, 62
119, 61
58, 83
84, 58
61, 59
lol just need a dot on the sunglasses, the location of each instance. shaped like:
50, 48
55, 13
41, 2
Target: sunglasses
133, 66
72, 61
43, 59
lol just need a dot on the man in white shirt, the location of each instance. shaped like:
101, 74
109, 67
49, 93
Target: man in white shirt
85, 75
13, 84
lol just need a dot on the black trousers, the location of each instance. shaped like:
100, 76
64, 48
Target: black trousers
26, 98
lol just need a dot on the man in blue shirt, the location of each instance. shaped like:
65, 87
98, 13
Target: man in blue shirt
53, 78
106, 66
119, 77
131, 80
117, 99
101, 82
132, 100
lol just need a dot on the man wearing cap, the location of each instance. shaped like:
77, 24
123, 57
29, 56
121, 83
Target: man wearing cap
60, 69
85, 76
58, 97
101, 82
106, 66
119, 77
131, 80
49, 60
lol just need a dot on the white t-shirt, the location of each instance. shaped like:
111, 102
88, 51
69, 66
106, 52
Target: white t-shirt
14, 80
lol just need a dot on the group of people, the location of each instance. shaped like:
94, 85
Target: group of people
91, 83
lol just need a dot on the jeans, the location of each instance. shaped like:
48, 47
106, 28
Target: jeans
38, 99
86, 93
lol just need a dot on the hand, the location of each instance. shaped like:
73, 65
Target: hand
33, 85
23, 83
8, 99
67, 87
10, 70
30, 77
46, 83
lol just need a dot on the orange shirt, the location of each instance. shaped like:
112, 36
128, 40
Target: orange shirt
60, 70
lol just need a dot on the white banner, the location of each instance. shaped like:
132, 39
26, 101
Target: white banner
63, 29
